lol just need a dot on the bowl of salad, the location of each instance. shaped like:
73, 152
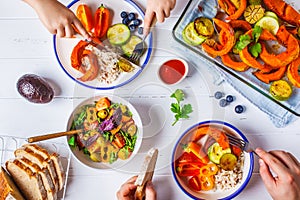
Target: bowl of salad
108, 132
206, 166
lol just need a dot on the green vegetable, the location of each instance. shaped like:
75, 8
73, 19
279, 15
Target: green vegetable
130, 45
215, 152
71, 141
180, 111
245, 40
255, 49
118, 34
190, 35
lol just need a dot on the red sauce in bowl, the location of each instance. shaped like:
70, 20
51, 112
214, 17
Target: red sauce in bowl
172, 71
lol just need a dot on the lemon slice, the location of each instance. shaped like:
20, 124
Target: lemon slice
271, 14
269, 23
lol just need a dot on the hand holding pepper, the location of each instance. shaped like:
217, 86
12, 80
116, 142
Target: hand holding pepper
57, 18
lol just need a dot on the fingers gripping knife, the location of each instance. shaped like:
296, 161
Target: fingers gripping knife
146, 173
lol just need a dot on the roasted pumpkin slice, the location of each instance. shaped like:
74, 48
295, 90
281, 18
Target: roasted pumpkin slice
286, 57
239, 12
293, 72
273, 76
230, 39
235, 65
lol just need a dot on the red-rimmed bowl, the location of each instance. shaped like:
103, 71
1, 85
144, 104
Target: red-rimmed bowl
228, 192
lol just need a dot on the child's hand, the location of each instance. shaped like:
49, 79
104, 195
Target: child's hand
57, 18
157, 8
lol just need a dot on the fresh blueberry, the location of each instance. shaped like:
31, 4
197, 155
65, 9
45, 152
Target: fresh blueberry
229, 98
218, 95
132, 27
140, 30
124, 14
223, 103
239, 109
136, 22
125, 21
131, 16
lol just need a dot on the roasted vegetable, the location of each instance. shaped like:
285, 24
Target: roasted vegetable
253, 13
190, 35
272, 76
281, 90
35, 89
215, 152
228, 161
204, 26
293, 72
102, 21
84, 14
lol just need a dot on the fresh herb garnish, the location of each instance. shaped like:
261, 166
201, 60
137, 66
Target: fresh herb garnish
181, 111
245, 40
71, 141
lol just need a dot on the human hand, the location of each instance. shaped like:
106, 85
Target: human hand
159, 9
127, 190
286, 183
57, 18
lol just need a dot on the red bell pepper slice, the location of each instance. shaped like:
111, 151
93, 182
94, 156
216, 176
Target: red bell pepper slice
84, 14
102, 20
185, 169
195, 183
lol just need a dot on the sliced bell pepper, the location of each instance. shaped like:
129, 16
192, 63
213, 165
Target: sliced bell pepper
102, 20
188, 158
209, 170
85, 16
196, 149
91, 114
119, 141
195, 183
186, 169
207, 182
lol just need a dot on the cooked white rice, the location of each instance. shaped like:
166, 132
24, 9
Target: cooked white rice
107, 61
225, 180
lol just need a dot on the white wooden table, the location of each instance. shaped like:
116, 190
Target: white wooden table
27, 47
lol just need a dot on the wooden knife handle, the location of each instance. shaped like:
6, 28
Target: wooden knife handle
52, 135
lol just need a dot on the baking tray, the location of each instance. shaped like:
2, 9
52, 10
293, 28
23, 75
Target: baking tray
9, 144
208, 8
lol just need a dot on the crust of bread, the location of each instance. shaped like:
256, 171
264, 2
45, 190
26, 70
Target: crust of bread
45, 175
8, 189
29, 154
50, 157
29, 182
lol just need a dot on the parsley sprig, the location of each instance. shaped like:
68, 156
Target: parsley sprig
181, 111
245, 40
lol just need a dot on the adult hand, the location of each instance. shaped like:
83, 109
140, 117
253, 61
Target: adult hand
159, 9
286, 181
127, 190
57, 18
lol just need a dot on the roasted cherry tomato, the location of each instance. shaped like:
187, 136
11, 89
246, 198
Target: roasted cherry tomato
102, 103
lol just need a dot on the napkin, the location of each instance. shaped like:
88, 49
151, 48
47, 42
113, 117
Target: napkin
277, 114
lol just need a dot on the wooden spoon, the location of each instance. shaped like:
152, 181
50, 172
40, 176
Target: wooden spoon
52, 135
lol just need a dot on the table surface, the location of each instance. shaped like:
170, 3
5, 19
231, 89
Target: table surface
27, 47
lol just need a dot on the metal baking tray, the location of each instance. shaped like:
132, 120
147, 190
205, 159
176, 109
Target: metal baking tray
9, 144
209, 8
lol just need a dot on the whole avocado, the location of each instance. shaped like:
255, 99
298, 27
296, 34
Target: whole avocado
35, 89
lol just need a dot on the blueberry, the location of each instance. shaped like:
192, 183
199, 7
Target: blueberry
132, 27
140, 30
239, 109
223, 103
136, 22
229, 98
218, 95
124, 14
131, 16
125, 21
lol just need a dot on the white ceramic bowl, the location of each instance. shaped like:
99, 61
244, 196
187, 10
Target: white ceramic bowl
217, 194
84, 159
171, 73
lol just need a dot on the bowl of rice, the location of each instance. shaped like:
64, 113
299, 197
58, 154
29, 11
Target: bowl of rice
206, 166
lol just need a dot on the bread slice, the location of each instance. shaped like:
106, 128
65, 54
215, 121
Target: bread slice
8, 189
29, 182
45, 175
29, 154
54, 158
